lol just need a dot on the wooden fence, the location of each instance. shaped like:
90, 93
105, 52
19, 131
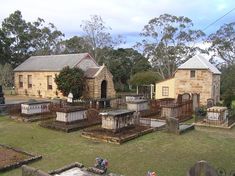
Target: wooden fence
181, 111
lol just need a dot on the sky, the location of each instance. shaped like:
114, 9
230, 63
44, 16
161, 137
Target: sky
125, 17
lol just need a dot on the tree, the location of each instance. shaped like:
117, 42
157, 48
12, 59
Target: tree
70, 80
123, 63
74, 45
168, 41
20, 39
145, 78
16, 29
228, 84
5, 50
223, 43
97, 35
44, 38
6, 75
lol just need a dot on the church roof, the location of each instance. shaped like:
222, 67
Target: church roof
52, 62
91, 72
199, 62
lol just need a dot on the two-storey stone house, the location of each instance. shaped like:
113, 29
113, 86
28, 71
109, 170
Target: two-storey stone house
197, 75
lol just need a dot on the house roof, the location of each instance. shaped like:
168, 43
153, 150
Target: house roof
51, 62
199, 62
91, 72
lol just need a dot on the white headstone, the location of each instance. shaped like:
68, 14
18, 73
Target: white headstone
70, 98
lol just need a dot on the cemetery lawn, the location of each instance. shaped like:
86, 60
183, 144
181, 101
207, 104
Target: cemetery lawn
167, 154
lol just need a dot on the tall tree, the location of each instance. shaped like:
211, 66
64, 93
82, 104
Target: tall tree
223, 43
22, 39
44, 38
74, 45
123, 63
16, 29
168, 41
98, 36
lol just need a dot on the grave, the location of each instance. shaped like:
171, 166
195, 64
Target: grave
117, 119
133, 97
71, 114
33, 107
72, 118
173, 126
11, 158
138, 105
217, 113
118, 126
74, 169
202, 168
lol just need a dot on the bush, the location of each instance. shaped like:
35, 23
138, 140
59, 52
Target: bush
70, 80
145, 78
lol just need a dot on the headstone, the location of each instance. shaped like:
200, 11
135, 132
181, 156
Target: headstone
185, 97
202, 168
70, 98
172, 125
210, 103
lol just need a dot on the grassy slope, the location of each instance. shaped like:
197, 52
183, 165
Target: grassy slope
168, 154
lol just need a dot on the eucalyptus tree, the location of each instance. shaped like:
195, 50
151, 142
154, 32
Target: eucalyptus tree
223, 43
168, 41
98, 36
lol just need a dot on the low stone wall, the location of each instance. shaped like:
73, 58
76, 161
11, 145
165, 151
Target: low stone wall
30, 171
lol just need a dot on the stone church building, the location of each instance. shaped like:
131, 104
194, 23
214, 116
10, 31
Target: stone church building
197, 75
35, 76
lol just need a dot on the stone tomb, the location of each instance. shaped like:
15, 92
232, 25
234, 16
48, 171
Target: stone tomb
117, 127
35, 107
117, 119
133, 97
71, 114
138, 105
217, 113
72, 118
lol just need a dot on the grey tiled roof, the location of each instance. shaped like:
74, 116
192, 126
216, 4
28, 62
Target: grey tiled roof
90, 73
50, 62
199, 62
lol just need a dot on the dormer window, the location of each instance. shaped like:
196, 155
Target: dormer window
192, 74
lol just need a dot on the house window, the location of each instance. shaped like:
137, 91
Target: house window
49, 82
29, 81
165, 91
192, 74
21, 81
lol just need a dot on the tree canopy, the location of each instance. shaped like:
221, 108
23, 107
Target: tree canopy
223, 43
168, 41
145, 78
70, 80
20, 39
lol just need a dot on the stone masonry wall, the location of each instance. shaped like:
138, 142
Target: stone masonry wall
202, 83
93, 89
39, 83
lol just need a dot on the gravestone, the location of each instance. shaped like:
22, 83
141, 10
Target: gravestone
210, 103
185, 97
172, 125
202, 168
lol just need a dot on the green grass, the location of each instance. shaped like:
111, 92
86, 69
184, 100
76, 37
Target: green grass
167, 154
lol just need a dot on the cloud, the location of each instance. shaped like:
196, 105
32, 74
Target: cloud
125, 17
